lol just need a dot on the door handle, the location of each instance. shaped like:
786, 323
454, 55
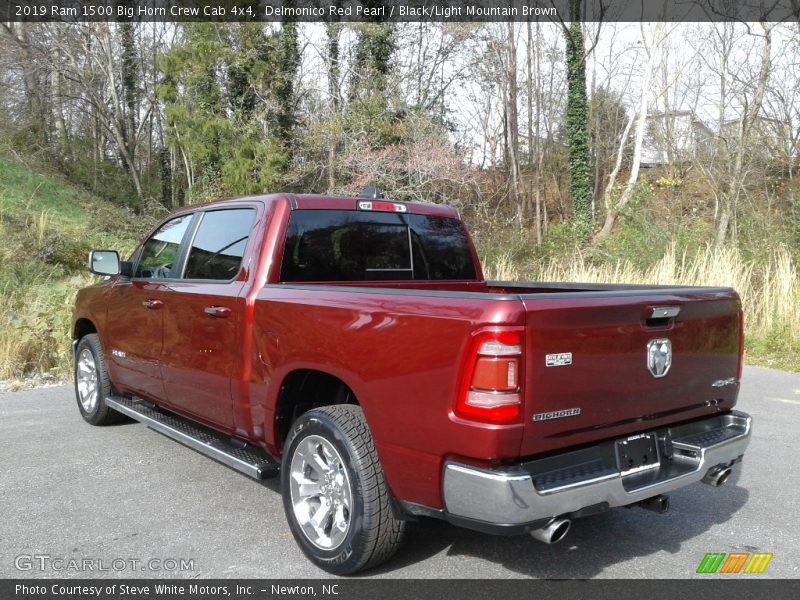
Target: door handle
221, 312
152, 304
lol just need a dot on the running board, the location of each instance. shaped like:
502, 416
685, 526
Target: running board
248, 459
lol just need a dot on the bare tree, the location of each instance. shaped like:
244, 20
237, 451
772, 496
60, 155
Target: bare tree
34, 70
333, 31
615, 206
742, 88
90, 58
512, 122
534, 145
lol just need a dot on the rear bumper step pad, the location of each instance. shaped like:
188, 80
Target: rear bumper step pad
595, 476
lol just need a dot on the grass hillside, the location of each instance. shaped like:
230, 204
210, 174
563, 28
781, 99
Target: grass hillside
47, 227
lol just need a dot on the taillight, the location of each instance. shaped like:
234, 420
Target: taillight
491, 390
741, 346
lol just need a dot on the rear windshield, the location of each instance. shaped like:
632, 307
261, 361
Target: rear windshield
334, 245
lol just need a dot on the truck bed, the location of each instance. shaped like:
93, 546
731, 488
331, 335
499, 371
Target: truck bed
511, 287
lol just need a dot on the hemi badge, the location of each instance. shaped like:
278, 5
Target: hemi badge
558, 360
557, 414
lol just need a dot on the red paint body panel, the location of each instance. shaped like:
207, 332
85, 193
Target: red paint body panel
400, 347
400, 356
137, 332
201, 354
615, 391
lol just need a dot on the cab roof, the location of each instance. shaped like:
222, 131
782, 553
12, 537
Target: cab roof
324, 202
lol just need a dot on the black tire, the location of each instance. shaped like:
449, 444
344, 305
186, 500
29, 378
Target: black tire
373, 534
95, 412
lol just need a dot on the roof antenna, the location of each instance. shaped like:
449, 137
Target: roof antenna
370, 192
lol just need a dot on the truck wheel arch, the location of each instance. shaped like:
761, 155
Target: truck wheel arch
83, 327
304, 389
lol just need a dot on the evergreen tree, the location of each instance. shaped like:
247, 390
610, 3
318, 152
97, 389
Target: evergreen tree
229, 105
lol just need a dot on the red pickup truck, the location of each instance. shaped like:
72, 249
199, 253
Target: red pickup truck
352, 346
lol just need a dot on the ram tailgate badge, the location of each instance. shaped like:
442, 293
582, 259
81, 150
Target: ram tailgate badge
659, 357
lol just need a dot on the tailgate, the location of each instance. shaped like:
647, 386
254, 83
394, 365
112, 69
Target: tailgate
598, 363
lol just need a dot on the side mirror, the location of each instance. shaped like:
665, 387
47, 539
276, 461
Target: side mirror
104, 262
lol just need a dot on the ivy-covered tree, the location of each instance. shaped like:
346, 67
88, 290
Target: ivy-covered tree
287, 65
130, 83
370, 113
577, 123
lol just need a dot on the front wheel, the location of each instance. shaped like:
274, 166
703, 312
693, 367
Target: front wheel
92, 384
334, 493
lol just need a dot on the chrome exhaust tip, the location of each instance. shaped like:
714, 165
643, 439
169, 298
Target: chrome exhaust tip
717, 476
553, 532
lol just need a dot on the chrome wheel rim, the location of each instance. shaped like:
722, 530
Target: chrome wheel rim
87, 380
320, 492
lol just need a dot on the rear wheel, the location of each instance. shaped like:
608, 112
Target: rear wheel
92, 385
334, 493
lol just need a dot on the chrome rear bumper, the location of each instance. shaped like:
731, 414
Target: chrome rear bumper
591, 478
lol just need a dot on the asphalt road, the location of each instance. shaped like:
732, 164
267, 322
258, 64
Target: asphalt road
71, 491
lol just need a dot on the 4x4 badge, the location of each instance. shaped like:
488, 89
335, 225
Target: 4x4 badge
659, 357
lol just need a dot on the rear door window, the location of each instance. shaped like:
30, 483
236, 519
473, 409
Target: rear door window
219, 244
331, 245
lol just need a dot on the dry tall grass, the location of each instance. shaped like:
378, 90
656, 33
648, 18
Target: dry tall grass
34, 327
769, 290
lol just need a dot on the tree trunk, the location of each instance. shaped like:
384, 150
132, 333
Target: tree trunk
749, 119
31, 77
513, 122
577, 122
57, 96
533, 142
129, 79
333, 90
613, 209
